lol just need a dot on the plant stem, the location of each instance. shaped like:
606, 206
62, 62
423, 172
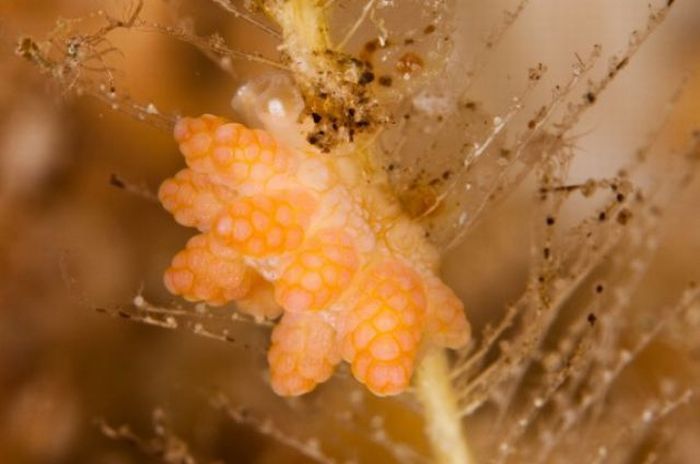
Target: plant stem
304, 26
442, 418
305, 36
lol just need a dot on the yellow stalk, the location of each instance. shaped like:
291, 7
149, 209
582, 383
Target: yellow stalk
442, 418
305, 33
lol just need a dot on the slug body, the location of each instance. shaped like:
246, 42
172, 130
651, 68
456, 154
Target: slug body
315, 240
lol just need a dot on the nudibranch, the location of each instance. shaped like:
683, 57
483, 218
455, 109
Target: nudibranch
313, 240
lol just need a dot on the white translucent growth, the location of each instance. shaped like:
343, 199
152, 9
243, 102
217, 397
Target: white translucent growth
432, 105
272, 102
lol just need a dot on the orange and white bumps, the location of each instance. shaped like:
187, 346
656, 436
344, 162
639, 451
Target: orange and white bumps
313, 237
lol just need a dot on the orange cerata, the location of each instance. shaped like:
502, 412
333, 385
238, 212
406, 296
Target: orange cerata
310, 240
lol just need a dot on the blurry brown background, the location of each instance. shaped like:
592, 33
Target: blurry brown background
70, 242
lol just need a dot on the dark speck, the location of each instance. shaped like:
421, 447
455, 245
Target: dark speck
592, 318
115, 181
385, 81
624, 216
366, 77
622, 64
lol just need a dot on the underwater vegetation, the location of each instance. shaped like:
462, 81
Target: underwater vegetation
415, 231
